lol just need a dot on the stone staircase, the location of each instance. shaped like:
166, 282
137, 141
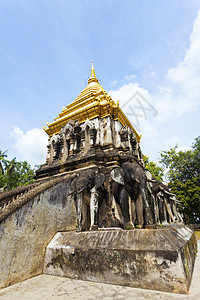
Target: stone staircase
16, 198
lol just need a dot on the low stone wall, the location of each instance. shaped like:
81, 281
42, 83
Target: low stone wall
160, 259
25, 233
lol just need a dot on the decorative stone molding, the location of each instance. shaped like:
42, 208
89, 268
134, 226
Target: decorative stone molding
78, 139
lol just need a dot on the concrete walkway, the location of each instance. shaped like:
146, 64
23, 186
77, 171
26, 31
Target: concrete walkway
45, 287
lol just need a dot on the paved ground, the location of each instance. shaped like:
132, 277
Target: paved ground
45, 287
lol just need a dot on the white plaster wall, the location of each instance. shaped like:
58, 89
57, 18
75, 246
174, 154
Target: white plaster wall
117, 128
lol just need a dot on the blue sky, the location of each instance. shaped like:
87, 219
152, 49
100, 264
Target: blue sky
46, 48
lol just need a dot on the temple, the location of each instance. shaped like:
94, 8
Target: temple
94, 211
93, 102
92, 126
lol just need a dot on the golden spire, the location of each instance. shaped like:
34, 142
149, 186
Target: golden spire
93, 102
92, 71
92, 76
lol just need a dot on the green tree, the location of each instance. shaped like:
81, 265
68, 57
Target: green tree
14, 173
183, 171
3, 161
156, 171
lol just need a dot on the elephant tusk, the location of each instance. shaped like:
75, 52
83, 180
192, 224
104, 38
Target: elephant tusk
175, 200
150, 180
81, 191
168, 193
69, 194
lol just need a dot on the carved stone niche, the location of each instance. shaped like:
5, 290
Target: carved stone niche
93, 134
66, 132
61, 152
55, 147
48, 152
77, 129
90, 136
77, 136
82, 139
124, 136
133, 142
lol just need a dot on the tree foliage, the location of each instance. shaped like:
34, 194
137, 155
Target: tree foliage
155, 170
14, 173
184, 177
3, 161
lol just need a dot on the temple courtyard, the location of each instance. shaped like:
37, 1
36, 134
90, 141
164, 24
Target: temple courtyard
45, 287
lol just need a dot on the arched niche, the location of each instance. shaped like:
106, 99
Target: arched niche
87, 126
54, 147
67, 131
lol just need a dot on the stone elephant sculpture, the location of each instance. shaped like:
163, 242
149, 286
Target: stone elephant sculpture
86, 188
165, 203
130, 181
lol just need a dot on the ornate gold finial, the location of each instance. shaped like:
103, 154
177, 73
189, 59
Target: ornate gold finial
92, 71
93, 76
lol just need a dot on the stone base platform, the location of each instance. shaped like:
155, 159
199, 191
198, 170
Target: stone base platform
159, 259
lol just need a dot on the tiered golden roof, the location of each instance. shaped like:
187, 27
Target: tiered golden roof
92, 102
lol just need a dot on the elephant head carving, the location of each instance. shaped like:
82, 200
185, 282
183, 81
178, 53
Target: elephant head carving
166, 202
131, 180
117, 175
86, 180
86, 190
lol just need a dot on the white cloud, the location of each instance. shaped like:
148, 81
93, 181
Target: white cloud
175, 98
126, 91
129, 77
183, 148
171, 105
149, 75
31, 145
181, 94
187, 73
152, 74
137, 105
113, 83
172, 141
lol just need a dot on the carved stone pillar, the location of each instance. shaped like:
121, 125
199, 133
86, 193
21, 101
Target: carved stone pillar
72, 144
78, 202
77, 137
61, 148
117, 138
64, 148
108, 134
48, 153
83, 139
51, 152
94, 208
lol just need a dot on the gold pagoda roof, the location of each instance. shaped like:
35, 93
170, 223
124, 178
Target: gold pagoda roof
92, 102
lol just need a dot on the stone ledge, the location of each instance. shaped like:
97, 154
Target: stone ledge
159, 259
